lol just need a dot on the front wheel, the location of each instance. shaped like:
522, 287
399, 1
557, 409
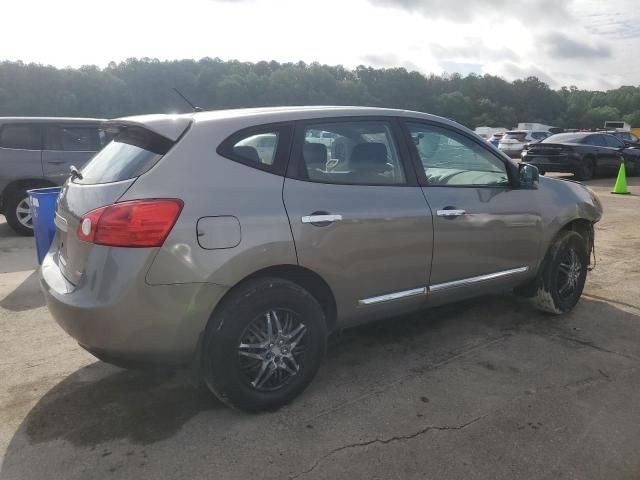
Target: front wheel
561, 279
264, 345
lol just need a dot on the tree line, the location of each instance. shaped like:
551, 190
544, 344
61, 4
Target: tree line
138, 86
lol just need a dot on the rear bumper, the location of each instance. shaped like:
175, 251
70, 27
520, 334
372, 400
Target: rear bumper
125, 321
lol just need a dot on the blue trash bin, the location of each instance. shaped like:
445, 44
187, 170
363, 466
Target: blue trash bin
43, 212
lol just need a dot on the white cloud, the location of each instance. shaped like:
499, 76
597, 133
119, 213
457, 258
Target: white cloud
560, 41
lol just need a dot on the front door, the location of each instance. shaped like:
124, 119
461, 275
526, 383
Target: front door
486, 233
67, 145
359, 219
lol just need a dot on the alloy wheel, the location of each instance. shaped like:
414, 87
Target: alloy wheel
24, 213
569, 272
271, 349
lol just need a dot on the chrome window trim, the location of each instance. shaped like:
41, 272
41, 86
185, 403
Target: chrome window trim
394, 296
480, 278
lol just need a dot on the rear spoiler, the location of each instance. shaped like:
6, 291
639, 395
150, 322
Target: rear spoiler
170, 127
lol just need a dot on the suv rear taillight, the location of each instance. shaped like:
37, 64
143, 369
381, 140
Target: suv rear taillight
136, 223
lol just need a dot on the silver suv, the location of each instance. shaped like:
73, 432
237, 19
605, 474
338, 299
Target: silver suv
37, 152
180, 244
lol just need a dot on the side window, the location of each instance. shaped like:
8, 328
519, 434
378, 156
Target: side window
263, 147
351, 152
21, 136
72, 139
451, 159
613, 142
539, 135
596, 141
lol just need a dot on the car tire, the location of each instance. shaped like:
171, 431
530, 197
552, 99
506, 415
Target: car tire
631, 168
14, 212
560, 281
587, 169
248, 369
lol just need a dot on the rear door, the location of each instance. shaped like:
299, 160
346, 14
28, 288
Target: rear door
360, 220
485, 233
66, 145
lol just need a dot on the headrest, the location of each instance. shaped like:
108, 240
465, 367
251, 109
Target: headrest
247, 152
370, 153
315, 155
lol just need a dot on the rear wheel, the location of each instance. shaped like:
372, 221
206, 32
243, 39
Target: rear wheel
561, 279
18, 212
264, 345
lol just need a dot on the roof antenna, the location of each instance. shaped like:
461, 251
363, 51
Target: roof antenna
195, 109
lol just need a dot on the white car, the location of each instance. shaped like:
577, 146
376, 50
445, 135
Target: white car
319, 136
514, 141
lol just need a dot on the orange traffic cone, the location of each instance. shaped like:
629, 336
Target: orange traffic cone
621, 182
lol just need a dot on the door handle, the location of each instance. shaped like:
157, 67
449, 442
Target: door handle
56, 162
321, 218
450, 213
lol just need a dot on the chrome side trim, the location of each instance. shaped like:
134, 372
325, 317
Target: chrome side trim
393, 296
480, 278
321, 218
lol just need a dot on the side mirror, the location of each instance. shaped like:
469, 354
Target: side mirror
528, 175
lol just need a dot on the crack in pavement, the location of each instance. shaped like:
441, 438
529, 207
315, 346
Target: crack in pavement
414, 372
384, 441
589, 344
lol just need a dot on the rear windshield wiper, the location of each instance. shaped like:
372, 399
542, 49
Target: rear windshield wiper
75, 173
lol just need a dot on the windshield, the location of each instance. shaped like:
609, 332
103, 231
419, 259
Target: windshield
130, 154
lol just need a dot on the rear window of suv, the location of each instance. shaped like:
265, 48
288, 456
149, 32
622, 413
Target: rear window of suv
132, 152
515, 136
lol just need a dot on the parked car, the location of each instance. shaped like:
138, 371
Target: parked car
37, 152
316, 136
629, 138
188, 251
585, 154
495, 138
515, 141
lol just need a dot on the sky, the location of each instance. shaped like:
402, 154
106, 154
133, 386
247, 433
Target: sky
588, 43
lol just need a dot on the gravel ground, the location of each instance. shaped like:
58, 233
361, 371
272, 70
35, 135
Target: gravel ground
487, 388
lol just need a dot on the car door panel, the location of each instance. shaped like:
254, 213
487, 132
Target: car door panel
497, 231
486, 233
380, 245
370, 241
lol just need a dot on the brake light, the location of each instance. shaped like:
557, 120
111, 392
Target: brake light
136, 223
